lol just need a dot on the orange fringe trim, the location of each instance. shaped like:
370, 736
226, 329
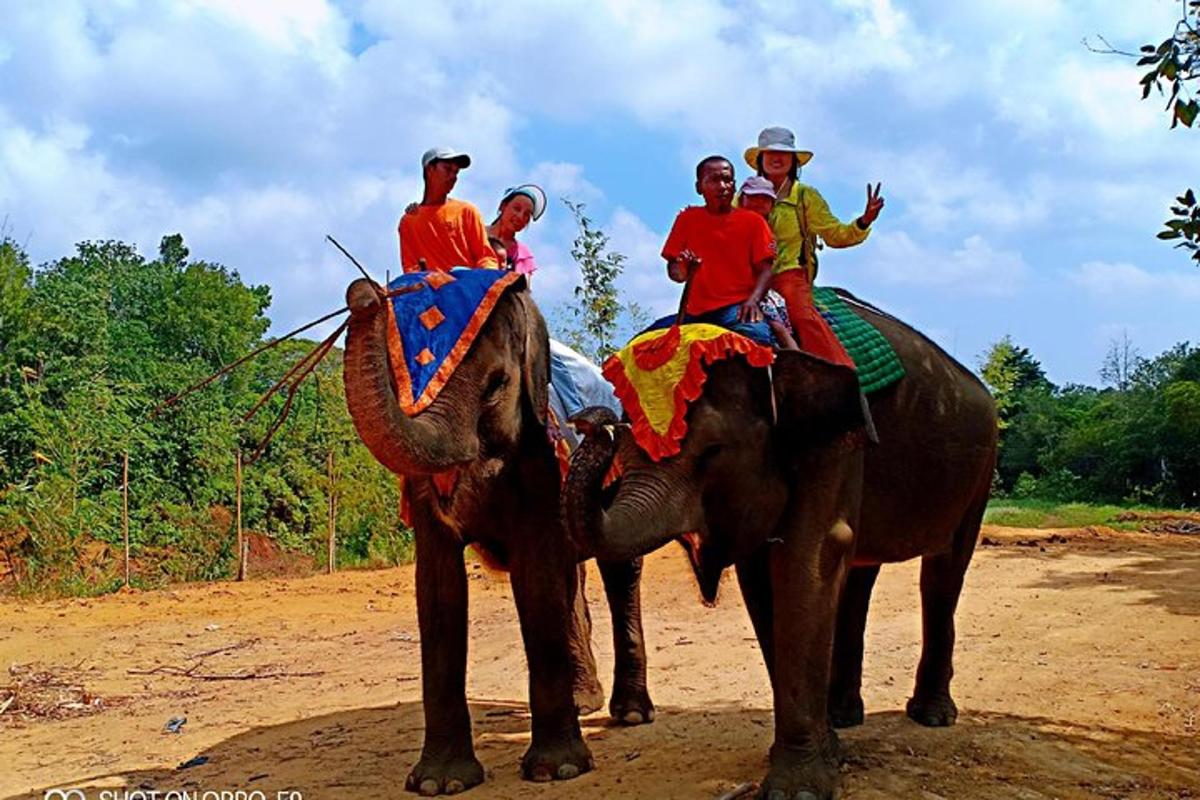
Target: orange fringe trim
700, 354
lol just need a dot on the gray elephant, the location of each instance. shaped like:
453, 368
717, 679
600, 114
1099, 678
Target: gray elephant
487, 427
785, 489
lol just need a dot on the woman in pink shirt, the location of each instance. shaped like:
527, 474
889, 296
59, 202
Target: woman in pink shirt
518, 207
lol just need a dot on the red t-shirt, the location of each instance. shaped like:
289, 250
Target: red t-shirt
728, 245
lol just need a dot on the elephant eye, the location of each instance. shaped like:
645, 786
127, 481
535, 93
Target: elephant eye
495, 384
709, 453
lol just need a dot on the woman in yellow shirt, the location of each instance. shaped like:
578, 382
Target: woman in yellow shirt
800, 216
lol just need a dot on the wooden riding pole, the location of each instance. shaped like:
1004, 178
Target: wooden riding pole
241, 549
125, 511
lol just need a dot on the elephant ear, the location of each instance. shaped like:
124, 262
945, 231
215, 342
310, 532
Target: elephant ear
817, 400
535, 352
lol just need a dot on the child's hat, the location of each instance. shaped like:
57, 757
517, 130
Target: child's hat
757, 184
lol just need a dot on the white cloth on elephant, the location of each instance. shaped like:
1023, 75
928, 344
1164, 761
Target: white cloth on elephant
576, 384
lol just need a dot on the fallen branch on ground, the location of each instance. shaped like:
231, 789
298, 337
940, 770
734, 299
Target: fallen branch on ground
191, 672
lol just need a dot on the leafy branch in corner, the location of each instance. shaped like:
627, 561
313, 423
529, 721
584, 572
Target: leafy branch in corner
1175, 72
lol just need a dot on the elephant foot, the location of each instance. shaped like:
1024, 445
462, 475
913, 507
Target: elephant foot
434, 776
801, 774
589, 695
631, 706
560, 761
846, 711
933, 712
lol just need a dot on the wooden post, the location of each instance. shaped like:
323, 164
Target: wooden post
332, 564
125, 511
241, 545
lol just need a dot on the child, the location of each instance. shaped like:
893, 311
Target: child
758, 195
724, 254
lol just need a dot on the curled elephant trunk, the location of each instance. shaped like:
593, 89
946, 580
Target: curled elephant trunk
436, 439
651, 506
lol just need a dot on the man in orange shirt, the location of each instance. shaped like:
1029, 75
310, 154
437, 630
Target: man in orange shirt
725, 252
444, 233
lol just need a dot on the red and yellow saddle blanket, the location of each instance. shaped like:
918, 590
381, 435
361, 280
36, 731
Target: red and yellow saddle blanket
660, 372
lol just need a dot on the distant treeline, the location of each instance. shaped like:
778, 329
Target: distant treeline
1137, 440
89, 346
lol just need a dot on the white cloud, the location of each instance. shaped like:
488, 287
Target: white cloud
1124, 281
974, 267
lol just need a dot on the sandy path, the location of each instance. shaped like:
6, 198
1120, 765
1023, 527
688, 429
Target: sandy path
1078, 675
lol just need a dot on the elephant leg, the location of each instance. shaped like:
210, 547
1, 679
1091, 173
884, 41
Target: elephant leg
447, 764
589, 694
845, 686
630, 702
754, 579
544, 580
941, 584
807, 573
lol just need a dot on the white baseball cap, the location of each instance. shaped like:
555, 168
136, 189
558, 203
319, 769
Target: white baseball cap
445, 154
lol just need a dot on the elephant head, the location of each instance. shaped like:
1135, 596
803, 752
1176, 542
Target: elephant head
724, 492
477, 420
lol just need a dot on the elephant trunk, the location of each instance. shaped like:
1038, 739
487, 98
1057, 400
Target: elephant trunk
428, 443
652, 504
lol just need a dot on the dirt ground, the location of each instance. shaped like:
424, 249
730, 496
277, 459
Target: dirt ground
1078, 675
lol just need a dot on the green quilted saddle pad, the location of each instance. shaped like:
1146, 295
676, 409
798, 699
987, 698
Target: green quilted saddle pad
878, 365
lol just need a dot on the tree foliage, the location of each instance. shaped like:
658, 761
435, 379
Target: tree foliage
89, 346
1175, 73
599, 308
600, 321
1136, 441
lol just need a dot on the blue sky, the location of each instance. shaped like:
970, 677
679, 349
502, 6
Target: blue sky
1024, 178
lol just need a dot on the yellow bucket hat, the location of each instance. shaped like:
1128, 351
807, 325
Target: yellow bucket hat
780, 140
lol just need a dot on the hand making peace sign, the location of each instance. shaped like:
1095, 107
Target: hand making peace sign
874, 205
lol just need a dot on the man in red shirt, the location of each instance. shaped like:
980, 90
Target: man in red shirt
444, 233
725, 252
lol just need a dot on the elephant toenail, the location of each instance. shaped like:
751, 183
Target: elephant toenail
454, 786
806, 796
541, 775
567, 771
429, 788
633, 718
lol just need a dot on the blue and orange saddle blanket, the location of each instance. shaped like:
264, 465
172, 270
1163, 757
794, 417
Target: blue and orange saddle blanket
433, 325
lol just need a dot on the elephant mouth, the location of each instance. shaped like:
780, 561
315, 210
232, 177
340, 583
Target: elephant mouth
457, 495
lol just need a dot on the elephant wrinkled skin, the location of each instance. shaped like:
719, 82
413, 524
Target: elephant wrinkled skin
488, 425
806, 511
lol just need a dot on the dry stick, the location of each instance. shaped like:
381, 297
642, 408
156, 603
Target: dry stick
313, 359
683, 298
741, 790
191, 672
226, 649
323, 348
353, 260
170, 401
125, 512
241, 555
330, 567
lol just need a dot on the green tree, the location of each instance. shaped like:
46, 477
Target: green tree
1011, 373
599, 308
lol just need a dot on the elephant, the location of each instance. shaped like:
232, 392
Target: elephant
489, 424
775, 477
